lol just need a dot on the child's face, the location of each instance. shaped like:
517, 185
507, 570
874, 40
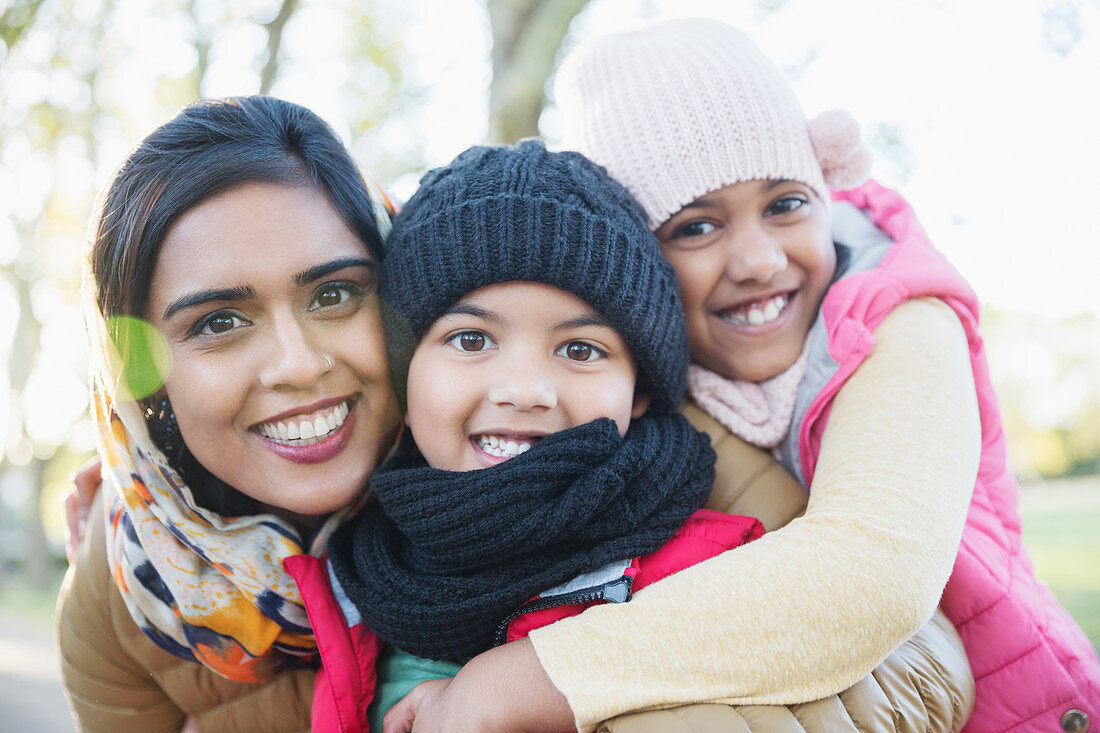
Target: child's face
754, 260
509, 364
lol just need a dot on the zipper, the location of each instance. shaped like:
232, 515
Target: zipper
617, 591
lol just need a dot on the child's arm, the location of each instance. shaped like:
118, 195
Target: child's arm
808, 610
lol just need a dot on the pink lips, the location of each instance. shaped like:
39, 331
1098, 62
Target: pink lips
320, 451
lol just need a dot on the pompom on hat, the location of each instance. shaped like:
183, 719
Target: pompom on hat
688, 106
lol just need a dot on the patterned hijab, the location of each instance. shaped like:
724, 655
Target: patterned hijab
205, 587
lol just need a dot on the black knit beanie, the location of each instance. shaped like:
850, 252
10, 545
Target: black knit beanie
523, 213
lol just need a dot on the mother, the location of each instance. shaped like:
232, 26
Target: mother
243, 234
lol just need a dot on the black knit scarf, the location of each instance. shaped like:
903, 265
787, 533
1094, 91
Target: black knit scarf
440, 558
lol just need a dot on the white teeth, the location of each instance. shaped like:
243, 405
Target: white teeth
306, 429
501, 447
757, 314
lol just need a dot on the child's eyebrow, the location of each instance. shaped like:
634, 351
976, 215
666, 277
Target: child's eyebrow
594, 319
463, 309
703, 201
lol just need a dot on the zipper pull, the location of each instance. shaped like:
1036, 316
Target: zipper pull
615, 591
618, 591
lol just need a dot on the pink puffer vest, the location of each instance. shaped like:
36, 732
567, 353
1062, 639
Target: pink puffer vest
1033, 666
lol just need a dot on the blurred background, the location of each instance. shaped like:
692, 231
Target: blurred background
984, 116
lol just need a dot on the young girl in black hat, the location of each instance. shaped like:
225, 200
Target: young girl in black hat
541, 338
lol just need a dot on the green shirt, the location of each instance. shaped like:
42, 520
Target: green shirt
398, 673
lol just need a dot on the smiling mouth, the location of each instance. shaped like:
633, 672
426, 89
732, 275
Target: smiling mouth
308, 428
500, 446
757, 313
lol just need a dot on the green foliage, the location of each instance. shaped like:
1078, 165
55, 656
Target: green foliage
1060, 520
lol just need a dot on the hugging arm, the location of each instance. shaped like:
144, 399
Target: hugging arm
808, 610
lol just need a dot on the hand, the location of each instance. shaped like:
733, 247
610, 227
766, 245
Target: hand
78, 500
504, 690
404, 716
190, 726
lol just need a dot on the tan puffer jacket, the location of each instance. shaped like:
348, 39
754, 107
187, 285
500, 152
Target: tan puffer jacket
925, 686
118, 680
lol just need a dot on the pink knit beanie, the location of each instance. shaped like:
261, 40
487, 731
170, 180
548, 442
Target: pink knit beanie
688, 106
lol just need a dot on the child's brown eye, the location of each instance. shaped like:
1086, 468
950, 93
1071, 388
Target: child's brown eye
786, 205
581, 351
471, 341
694, 229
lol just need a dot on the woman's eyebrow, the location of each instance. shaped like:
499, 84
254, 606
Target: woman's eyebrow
305, 277
240, 292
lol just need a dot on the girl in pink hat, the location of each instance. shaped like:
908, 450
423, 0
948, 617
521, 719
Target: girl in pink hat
824, 326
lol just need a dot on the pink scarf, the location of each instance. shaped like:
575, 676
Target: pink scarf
758, 412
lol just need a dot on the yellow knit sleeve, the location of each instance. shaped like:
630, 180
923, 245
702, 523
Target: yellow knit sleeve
811, 608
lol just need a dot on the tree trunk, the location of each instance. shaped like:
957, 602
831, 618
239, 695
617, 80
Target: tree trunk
274, 30
527, 35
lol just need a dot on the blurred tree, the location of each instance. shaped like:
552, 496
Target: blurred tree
527, 36
54, 125
1047, 376
274, 29
16, 20
78, 88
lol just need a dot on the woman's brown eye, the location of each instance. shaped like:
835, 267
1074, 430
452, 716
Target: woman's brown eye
220, 324
471, 341
329, 296
579, 351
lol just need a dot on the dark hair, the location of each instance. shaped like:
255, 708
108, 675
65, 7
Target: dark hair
210, 147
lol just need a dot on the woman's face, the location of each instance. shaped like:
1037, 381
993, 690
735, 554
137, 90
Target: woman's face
279, 378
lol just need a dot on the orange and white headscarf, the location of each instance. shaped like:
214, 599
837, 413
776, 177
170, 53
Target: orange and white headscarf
202, 586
